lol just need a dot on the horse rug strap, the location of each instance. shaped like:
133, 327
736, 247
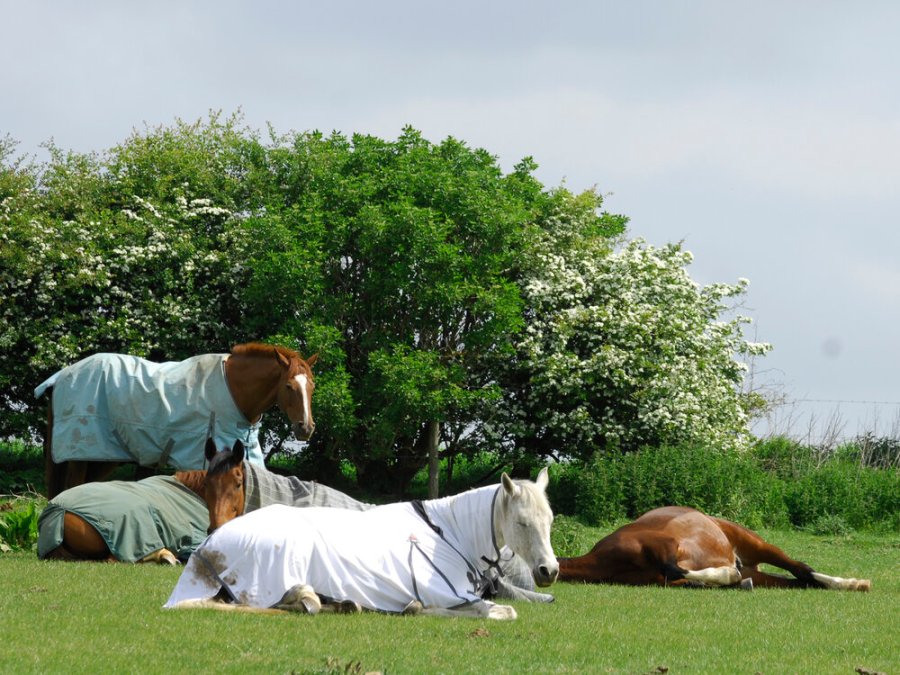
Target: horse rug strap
482, 584
119, 408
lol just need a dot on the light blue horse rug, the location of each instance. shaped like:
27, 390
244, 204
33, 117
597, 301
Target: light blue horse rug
118, 408
438, 552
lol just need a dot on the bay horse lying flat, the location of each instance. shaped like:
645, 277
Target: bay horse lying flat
429, 557
112, 408
680, 546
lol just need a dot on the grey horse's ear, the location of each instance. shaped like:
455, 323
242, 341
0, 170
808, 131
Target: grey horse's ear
237, 452
509, 485
543, 479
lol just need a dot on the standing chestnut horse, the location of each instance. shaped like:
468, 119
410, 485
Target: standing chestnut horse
112, 408
680, 546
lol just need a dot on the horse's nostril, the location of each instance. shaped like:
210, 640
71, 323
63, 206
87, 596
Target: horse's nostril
547, 574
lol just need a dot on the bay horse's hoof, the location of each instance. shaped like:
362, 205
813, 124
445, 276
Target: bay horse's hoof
300, 598
746, 584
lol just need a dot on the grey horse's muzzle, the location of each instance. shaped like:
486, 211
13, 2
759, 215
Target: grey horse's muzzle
544, 575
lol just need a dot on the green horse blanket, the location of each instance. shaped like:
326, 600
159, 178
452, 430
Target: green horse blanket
135, 518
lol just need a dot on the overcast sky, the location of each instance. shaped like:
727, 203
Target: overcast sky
764, 135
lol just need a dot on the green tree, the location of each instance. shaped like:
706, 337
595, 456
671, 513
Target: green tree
454, 307
407, 248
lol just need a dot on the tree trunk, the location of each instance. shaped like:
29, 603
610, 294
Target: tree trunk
434, 437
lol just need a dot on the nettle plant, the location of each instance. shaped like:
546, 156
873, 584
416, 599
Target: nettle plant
624, 350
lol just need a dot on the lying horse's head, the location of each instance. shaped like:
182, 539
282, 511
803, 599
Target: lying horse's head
224, 489
523, 520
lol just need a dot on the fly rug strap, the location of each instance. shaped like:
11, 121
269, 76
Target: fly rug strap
482, 584
212, 570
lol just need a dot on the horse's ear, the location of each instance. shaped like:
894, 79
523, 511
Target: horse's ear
210, 450
282, 359
237, 451
543, 479
312, 359
509, 485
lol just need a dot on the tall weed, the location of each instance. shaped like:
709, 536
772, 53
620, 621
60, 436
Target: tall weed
778, 483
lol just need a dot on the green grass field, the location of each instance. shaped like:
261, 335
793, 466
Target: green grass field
98, 617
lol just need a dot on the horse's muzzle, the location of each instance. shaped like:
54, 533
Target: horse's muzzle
303, 432
544, 575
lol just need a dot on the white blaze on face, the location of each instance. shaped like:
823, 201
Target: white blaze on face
307, 407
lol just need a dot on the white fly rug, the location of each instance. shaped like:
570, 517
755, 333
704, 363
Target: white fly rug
114, 407
382, 558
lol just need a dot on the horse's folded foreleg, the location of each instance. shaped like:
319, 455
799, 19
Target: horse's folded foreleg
510, 591
163, 557
300, 598
714, 576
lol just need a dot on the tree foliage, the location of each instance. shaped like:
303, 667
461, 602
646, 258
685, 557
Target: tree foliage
622, 350
436, 288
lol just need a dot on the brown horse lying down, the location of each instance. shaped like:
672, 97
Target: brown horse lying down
680, 546
159, 519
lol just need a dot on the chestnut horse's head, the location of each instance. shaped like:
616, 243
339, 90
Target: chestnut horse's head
295, 394
260, 376
224, 487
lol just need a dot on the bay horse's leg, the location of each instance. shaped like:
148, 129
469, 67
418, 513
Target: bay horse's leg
98, 471
74, 472
53, 472
753, 550
81, 541
628, 556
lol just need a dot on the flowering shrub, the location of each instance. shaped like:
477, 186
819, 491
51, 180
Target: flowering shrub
85, 268
623, 349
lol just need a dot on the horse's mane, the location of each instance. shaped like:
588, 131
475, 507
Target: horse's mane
194, 480
260, 349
